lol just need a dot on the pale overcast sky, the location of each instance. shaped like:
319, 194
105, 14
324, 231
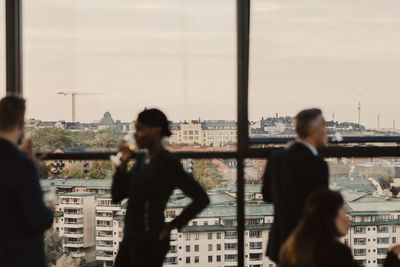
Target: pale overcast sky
179, 55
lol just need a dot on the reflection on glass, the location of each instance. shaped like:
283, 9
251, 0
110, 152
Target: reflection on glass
83, 201
371, 189
341, 57
177, 56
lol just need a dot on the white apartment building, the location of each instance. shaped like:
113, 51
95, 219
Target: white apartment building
207, 133
92, 222
106, 234
75, 220
211, 238
375, 228
219, 133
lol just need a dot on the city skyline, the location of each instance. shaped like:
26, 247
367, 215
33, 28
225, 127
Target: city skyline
200, 120
181, 58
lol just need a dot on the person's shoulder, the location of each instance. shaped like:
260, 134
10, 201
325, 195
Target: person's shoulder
335, 254
341, 249
278, 154
166, 154
170, 158
14, 156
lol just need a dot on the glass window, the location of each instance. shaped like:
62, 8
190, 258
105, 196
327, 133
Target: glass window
320, 54
175, 56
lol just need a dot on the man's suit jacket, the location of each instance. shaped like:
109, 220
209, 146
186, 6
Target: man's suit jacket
24, 217
291, 176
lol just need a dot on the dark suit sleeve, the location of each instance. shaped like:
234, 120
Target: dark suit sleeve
120, 185
191, 188
267, 183
391, 260
36, 214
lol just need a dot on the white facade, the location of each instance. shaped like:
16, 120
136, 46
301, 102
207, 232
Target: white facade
108, 235
76, 222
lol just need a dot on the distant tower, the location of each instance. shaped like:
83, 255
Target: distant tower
276, 115
359, 114
333, 116
379, 121
394, 125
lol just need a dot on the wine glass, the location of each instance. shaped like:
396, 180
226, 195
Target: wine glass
130, 146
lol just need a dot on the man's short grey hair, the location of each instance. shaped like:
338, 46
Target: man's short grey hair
305, 119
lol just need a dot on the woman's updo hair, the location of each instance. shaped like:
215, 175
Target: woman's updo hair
155, 118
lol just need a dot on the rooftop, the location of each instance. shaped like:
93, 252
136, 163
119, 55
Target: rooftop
77, 194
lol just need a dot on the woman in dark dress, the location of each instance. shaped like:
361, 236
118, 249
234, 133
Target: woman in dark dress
148, 186
314, 243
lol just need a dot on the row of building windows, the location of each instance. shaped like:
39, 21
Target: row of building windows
228, 246
380, 240
228, 235
363, 251
379, 229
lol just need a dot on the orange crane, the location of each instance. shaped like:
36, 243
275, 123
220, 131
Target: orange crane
74, 93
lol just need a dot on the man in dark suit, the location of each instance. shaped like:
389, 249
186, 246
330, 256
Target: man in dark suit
24, 216
293, 174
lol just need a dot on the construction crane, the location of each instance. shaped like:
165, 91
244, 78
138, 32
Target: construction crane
73, 94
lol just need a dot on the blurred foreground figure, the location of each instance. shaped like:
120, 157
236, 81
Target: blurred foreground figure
315, 241
293, 174
24, 216
148, 185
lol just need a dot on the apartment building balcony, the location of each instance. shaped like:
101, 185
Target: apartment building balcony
78, 254
74, 244
104, 218
104, 258
104, 238
108, 206
104, 233
73, 234
105, 246
170, 261
173, 237
74, 224
73, 215
104, 227
71, 205
256, 250
255, 257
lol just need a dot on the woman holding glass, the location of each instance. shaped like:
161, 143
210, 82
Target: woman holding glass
148, 186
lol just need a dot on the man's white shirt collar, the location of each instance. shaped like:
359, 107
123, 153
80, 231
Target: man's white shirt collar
311, 147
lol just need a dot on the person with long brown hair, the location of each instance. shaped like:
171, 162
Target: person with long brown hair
315, 241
